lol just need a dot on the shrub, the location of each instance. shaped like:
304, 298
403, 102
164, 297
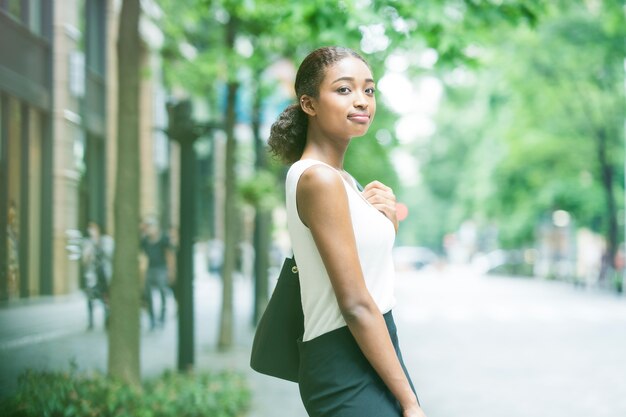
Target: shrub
74, 394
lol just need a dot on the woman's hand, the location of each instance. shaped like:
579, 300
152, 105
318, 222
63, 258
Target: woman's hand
382, 198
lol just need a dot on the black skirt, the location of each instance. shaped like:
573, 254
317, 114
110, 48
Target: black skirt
337, 380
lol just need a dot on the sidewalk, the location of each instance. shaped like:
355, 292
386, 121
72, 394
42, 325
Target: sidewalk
51, 332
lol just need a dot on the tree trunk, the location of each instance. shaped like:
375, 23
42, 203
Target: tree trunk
125, 289
231, 218
607, 175
263, 216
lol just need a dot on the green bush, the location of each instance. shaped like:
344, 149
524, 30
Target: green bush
74, 394
514, 269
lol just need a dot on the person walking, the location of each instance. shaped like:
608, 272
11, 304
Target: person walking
350, 360
158, 249
96, 257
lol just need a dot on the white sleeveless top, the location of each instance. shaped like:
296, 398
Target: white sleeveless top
374, 235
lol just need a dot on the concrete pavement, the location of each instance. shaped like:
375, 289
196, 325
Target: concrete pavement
475, 346
506, 347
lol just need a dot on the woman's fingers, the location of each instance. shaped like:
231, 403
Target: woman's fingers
383, 199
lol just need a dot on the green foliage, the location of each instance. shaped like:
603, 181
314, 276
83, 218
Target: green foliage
426, 220
519, 137
74, 394
261, 190
197, 59
567, 109
514, 269
367, 160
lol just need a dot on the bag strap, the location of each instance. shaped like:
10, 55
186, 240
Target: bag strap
294, 269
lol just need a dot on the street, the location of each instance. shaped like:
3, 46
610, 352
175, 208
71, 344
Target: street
475, 346
495, 347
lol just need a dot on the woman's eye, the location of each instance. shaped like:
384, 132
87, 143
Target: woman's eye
343, 90
370, 91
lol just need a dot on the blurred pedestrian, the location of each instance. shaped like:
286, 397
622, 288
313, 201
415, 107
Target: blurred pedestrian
96, 257
215, 256
350, 361
157, 248
172, 271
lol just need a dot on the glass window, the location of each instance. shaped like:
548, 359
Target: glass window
3, 208
94, 31
13, 8
34, 16
28, 12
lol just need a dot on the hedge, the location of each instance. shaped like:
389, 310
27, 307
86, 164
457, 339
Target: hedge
74, 394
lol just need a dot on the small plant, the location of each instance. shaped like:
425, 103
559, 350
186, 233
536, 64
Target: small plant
74, 394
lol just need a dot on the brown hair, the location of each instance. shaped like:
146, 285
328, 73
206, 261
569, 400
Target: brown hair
288, 133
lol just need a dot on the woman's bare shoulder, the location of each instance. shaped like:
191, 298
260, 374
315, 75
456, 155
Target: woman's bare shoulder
320, 179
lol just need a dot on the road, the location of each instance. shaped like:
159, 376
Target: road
476, 346
495, 347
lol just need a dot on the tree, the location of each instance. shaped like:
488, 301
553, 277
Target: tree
580, 105
125, 289
539, 129
263, 210
231, 217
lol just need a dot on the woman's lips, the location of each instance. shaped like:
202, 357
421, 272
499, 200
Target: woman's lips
359, 117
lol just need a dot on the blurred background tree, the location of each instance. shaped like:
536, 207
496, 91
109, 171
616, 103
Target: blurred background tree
536, 128
123, 362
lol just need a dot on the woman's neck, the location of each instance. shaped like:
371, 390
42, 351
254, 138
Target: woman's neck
334, 161
327, 151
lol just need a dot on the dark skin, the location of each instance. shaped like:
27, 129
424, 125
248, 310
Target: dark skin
342, 110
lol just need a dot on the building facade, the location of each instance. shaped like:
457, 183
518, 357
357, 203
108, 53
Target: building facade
57, 136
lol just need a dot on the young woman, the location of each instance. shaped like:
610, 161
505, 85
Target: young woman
342, 238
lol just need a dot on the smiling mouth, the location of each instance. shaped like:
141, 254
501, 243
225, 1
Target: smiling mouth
359, 118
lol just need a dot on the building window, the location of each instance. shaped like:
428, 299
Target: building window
13, 8
14, 159
27, 12
4, 238
10, 197
95, 34
21, 189
34, 16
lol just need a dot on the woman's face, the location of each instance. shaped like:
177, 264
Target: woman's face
346, 105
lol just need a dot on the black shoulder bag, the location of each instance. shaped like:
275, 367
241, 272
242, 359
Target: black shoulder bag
275, 346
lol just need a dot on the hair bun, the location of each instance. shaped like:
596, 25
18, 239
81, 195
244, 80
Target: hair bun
288, 134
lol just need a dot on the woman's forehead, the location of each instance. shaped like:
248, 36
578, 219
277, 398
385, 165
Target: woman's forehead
349, 67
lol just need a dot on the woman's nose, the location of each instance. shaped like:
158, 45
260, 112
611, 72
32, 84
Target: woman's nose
360, 101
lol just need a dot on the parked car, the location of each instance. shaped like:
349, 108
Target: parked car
413, 257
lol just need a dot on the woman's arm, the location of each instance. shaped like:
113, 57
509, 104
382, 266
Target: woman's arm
323, 206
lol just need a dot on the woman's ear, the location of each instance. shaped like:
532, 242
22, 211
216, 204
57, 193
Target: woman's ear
308, 106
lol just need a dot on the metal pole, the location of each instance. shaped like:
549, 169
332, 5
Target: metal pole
181, 129
185, 257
